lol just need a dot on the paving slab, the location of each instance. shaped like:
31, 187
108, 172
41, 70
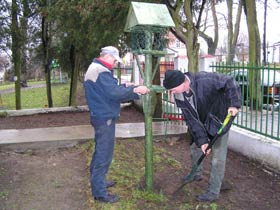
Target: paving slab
68, 136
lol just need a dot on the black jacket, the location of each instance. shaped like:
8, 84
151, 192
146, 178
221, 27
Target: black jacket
213, 94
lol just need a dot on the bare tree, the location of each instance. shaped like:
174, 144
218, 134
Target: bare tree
187, 16
254, 52
212, 43
233, 32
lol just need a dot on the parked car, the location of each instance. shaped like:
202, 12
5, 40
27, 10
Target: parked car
269, 81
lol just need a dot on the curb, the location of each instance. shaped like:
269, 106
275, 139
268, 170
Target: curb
15, 113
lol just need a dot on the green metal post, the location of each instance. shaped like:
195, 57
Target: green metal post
150, 20
119, 76
148, 111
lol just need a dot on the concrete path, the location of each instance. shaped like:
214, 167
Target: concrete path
245, 142
23, 139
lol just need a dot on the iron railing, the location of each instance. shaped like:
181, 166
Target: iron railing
261, 114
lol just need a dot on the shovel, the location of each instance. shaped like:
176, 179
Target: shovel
189, 177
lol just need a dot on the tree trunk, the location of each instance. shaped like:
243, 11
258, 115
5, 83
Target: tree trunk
16, 52
264, 33
230, 54
74, 60
24, 25
192, 51
186, 30
254, 53
47, 59
211, 43
158, 98
48, 84
191, 39
233, 32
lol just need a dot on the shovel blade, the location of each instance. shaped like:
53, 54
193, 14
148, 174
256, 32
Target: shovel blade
187, 179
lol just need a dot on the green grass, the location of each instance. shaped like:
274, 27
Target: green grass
9, 85
6, 86
36, 97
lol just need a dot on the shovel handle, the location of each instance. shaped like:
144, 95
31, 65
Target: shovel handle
229, 118
226, 121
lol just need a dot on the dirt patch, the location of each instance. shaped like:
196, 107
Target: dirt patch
247, 184
43, 180
60, 119
58, 179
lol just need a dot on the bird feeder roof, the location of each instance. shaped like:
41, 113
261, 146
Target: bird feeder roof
148, 15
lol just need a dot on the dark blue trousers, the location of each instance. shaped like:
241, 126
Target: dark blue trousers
103, 154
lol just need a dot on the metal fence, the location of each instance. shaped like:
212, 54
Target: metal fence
261, 115
123, 74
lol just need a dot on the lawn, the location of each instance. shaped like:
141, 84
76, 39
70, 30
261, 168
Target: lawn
35, 97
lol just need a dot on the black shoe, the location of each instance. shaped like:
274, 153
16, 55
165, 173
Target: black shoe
196, 177
110, 183
208, 196
108, 198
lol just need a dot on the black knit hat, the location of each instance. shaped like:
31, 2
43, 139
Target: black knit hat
173, 78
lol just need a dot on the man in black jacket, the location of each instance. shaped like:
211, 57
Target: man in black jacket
205, 99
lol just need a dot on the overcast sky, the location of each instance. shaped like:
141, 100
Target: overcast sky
273, 22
